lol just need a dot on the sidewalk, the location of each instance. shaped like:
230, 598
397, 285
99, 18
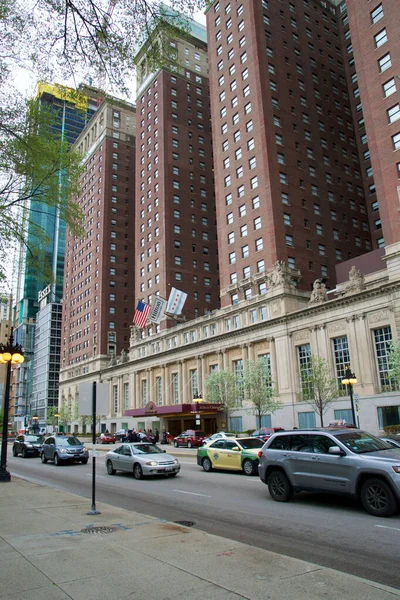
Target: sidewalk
51, 549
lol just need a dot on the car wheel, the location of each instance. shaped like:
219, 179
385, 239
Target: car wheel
279, 487
110, 468
206, 464
175, 444
84, 461
43, 459
56, 460
137, 471
24, 453
15, 453
189, 444
249, 467
377, 498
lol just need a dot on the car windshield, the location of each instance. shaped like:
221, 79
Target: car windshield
33, 438
251, 443
361, 442
146, 449
70, 441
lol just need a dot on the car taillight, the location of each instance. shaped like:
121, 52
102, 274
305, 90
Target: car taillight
259, 454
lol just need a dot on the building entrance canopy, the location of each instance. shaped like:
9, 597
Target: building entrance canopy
174, 410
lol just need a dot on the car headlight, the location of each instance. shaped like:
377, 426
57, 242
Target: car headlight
62, 450
84, 449
176, 462
396, 468
152, 463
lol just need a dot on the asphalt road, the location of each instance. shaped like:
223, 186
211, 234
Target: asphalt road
329, 531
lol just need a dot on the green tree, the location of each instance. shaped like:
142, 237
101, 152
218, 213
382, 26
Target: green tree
258, 387
68, 412
55, 40
319, 388
222, 388
39, 171
393, 373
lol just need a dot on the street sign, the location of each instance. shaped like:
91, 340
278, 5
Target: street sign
85, 399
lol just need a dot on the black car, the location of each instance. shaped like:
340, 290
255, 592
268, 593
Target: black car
27, 445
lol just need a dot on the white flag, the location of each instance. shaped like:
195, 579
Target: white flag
158, 307
176, 301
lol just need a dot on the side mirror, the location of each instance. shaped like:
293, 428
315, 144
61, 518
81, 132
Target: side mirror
235, 449
336, 451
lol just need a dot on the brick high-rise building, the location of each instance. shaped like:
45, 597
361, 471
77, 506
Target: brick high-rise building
289, 185
176, 233
374, 29
98, 299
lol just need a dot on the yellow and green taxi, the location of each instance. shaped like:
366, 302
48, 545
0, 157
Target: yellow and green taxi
240, 454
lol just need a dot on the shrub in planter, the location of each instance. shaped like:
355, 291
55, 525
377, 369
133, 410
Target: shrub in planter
392, 429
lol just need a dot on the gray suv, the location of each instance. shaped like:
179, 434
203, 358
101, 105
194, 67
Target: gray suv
339, 460
62, 449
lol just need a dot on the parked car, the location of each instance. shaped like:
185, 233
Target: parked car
141, 459
346, 461
62, 449
265, 432
240, 454
218, 436
27, 445
121, 435
392, 440
189, 438
106, 438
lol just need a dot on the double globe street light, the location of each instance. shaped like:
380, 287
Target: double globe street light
10, 354
350, 379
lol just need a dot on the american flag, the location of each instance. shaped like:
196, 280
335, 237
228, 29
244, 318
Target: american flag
141, 314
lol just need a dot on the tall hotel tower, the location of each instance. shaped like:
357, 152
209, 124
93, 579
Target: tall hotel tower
289, 185
176, 234
98, 298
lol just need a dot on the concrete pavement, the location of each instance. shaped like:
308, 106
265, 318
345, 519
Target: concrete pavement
51, 549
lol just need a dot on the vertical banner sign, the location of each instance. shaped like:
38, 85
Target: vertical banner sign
158, 307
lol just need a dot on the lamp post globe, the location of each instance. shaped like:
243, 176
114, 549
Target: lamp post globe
10, 354
350, 379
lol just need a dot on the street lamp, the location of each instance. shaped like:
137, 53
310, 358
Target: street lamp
10, 354
35, 425
197, 400
350, 379
57, 416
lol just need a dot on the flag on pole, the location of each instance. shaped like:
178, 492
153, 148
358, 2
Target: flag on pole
158, 307
176, 301
141, 314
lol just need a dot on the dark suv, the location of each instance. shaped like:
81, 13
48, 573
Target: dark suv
27, 445
347, 461
62, 449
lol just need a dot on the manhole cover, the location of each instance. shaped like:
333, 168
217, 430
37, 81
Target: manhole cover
185, 523
103, 529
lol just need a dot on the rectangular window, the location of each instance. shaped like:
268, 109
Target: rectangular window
393, 113
376, 14
342, 359
304, 365
389, 87
380, 38
385, 62
382, 342
175, 388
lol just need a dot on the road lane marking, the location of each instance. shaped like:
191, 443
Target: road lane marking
191, 493
387, 527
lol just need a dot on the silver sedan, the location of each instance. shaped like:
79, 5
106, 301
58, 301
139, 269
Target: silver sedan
141, 459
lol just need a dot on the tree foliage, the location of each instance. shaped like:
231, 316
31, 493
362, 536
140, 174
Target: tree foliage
66, 40
259, 390
222, 388
68, 412
319, 388
393, 375
39, 172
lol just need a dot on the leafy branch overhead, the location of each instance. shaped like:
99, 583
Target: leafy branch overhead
319, 389
67, 40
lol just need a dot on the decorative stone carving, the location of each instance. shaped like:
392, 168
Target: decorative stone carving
280, 275
380, 316
124, 356
301, 336
276, 308
113, 361
318, 295
356, 281
337, 327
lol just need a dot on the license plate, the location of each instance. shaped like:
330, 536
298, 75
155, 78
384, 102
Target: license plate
169, 469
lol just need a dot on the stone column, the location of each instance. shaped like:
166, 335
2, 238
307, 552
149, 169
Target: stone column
136, 401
